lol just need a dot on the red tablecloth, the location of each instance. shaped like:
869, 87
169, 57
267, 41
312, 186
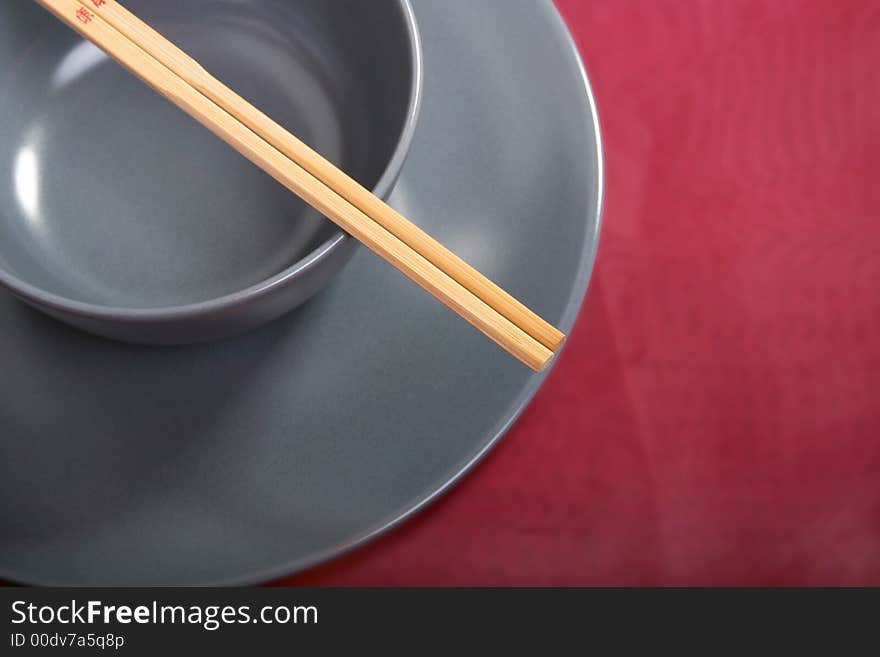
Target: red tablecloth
715, 418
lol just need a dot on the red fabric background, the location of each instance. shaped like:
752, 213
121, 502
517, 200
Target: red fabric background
715, 418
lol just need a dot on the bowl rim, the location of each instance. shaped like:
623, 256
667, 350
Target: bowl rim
38, 296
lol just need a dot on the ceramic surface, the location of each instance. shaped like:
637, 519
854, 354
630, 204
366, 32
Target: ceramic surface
121, 215
251, 458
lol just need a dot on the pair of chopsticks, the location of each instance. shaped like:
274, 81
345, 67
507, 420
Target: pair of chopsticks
175, 75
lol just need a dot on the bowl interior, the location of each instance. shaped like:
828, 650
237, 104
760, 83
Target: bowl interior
110, 195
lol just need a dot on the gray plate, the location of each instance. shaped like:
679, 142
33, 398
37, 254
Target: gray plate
242, 461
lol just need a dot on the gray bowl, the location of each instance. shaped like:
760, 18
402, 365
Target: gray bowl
121, 216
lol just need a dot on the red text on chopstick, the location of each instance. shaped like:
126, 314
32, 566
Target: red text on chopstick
84, 15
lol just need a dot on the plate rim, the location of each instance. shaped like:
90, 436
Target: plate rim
569, 318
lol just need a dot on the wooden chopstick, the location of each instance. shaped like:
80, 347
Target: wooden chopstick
192, 72
296, 179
